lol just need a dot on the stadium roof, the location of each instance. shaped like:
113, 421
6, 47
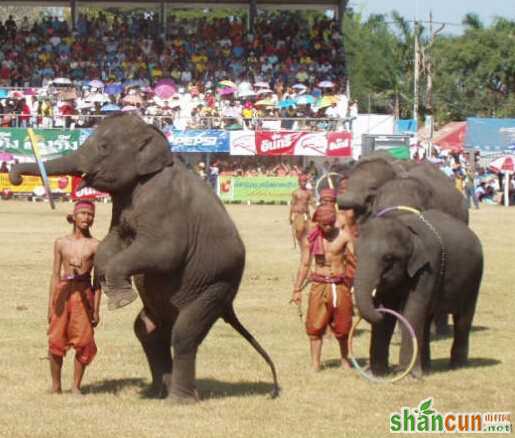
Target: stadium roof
175, 4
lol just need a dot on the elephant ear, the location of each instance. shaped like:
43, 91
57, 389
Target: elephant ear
153, 154
419, 256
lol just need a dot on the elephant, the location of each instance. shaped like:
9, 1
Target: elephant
379, 181
419, 265
171, 234
372, 172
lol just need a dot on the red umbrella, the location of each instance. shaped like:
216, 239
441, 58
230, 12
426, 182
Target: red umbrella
503, 164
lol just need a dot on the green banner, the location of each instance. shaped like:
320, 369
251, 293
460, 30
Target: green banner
401, 152
256, 188
53, 143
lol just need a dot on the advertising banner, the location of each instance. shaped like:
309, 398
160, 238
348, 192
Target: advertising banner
53, 143
316, 144
339, 144
256, 189
271, 143
311, 144
242, 142
33, 184
197, 140
490, 135
85, 193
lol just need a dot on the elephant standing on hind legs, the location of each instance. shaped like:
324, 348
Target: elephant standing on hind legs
172, 234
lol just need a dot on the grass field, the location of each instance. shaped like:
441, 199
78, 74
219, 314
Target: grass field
233, 380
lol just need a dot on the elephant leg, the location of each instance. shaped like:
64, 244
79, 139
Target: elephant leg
425, 353
155, 340
191, 327
460, 345
111, 245
462, 326
139, 257
380, 345
416, 316
441, 324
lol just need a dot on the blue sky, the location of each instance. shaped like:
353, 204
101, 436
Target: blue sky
443, 10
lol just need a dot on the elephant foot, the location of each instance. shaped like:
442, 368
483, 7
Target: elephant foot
182, 397
458, 363
378, 371
120, 297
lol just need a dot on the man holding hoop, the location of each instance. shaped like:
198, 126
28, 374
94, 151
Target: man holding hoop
329, 301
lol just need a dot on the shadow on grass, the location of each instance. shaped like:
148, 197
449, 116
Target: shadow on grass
450, 335
113, 386
208, 388
213, 389
442, 365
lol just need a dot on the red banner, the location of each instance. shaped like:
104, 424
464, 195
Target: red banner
86, 192
331, 144
339, 144
276, 142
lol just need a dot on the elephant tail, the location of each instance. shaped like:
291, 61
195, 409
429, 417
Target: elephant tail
230, 318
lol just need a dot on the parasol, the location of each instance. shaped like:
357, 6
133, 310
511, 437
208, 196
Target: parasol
95, 83
506, 165
326, 84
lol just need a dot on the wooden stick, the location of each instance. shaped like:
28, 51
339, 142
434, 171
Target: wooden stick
44, 177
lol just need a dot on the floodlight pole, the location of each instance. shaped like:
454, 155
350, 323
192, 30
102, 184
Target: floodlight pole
416, 74
73, 12
163, 13
252, 15
342, 7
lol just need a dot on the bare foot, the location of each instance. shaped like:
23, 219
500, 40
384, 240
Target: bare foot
316, 368
76, 392
346, 364
55, 391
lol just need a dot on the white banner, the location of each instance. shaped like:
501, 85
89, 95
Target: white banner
242, 142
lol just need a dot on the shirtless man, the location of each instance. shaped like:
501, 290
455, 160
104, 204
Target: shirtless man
73, 304
329, 301
299, 211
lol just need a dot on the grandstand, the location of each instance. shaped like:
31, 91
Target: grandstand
282, 65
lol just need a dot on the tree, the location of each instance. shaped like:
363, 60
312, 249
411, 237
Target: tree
473, 73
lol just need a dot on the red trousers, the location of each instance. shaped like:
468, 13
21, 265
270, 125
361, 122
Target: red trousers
330, 305
70, 322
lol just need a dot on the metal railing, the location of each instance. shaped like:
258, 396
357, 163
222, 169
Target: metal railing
306, 124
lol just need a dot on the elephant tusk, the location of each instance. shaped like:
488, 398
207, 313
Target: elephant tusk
374, 292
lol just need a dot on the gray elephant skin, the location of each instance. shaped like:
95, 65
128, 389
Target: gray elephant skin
368, 179
171, 233
400, 257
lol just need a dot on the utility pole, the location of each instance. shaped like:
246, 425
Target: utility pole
416, 74
429, 68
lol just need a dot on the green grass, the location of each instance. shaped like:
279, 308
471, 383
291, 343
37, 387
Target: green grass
233, 380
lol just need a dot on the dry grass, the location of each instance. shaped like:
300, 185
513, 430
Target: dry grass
232, 378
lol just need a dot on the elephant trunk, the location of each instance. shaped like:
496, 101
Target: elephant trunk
351, 200
67, 165
364, 286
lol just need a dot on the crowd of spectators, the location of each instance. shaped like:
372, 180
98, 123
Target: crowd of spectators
219, 73
477, 183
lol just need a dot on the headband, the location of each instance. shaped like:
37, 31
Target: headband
80, 205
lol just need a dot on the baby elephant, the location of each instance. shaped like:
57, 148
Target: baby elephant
419, 265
